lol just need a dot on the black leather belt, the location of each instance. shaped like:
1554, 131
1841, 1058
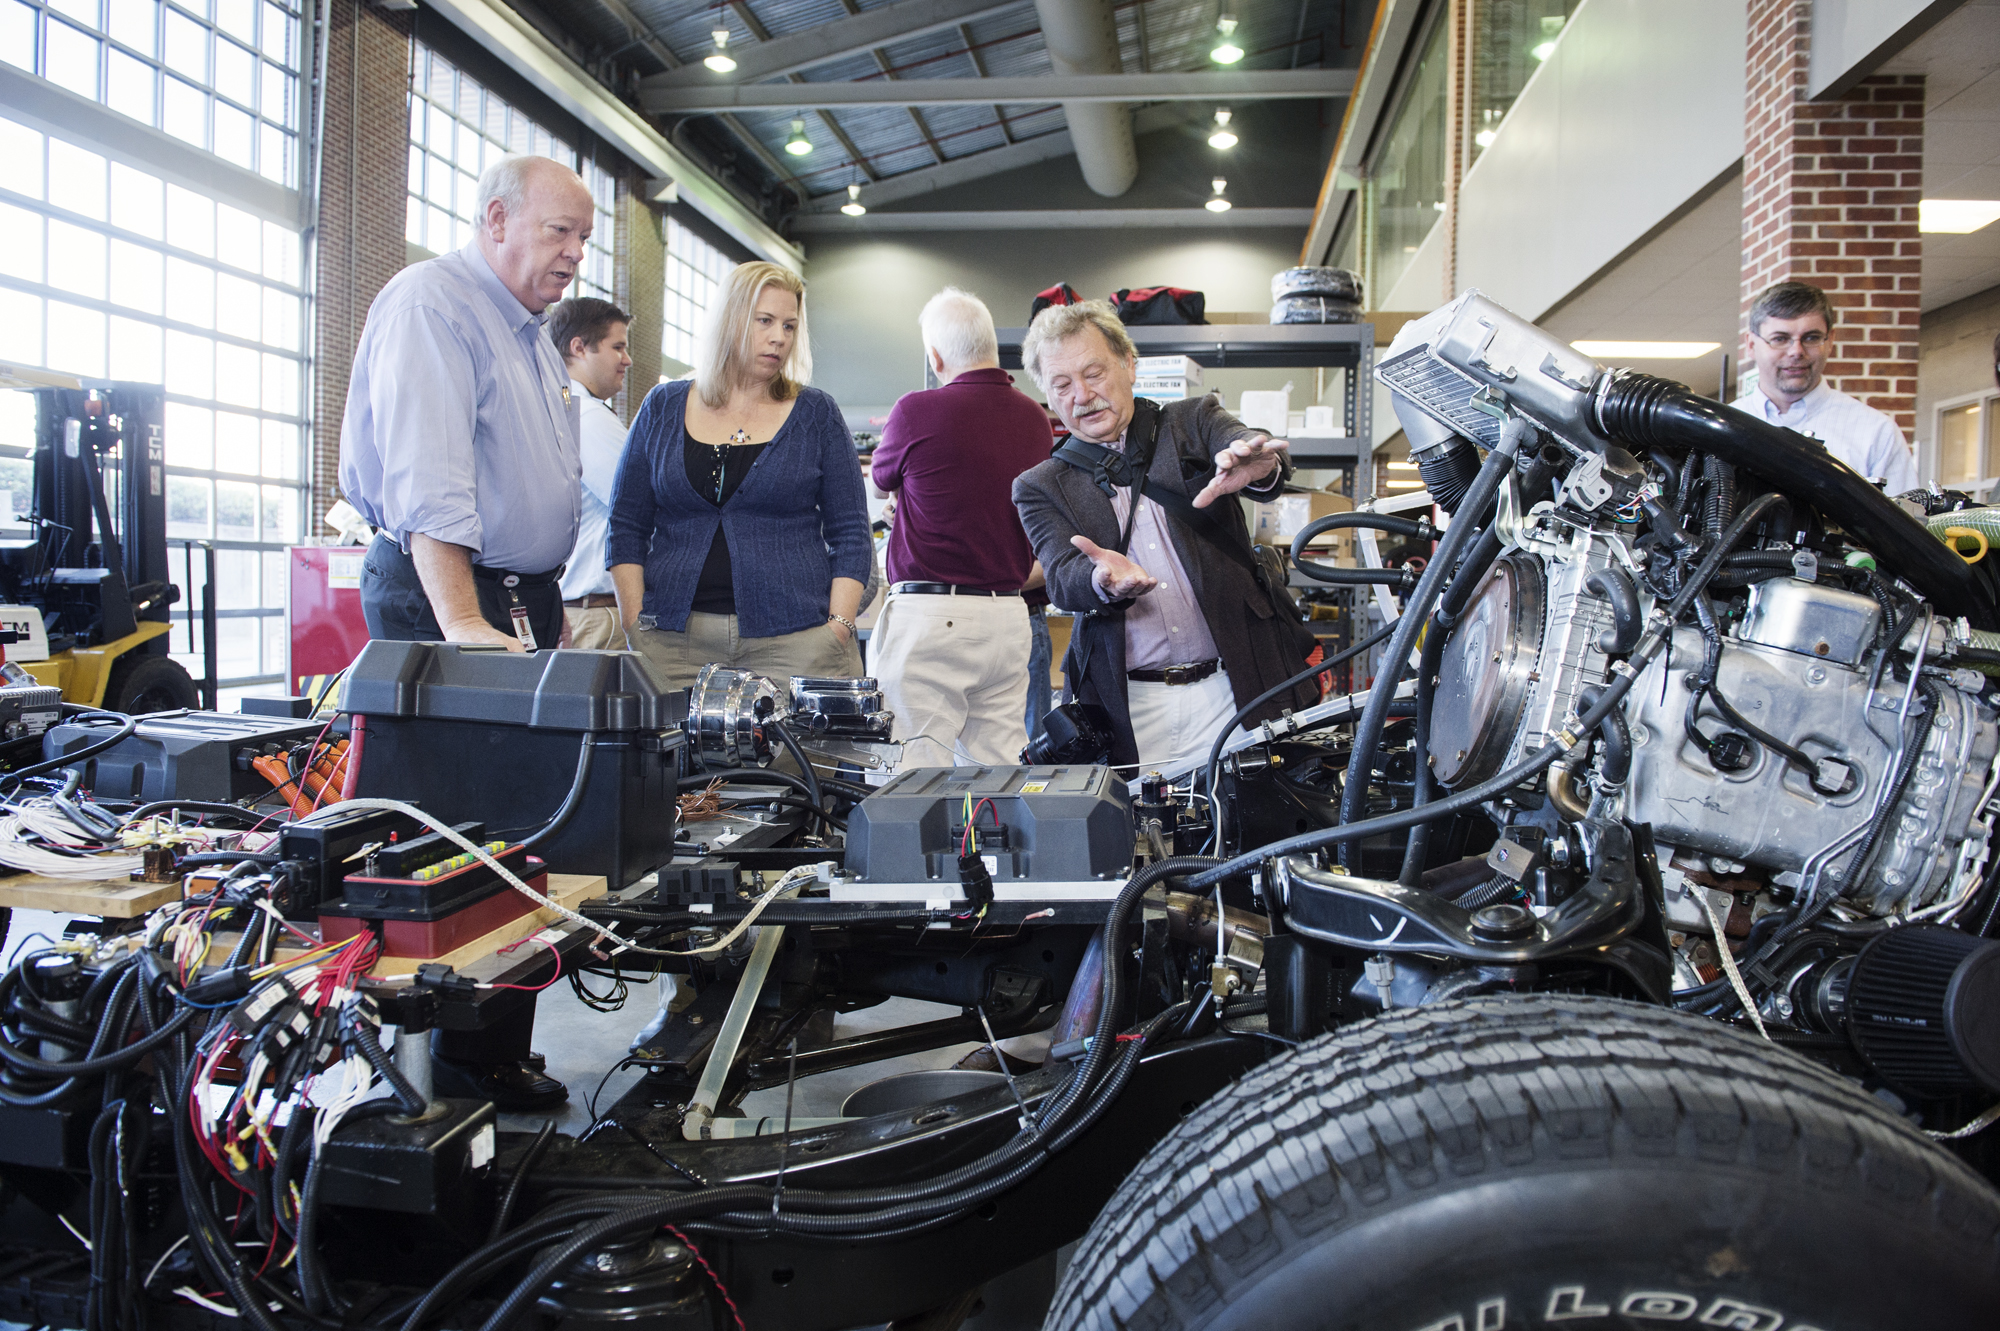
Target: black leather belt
1192, 673
942, 589
501, 575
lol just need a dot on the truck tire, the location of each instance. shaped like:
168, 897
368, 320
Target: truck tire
142, 683
1540, 1162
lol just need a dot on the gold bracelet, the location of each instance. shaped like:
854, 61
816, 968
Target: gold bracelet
843, 619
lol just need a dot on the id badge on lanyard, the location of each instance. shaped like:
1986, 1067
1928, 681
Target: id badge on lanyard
523, 630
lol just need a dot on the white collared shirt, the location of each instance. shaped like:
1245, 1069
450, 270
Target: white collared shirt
602, 436
1856, 434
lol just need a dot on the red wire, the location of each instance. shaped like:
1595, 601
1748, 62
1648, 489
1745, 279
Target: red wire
534, 988
720, 1288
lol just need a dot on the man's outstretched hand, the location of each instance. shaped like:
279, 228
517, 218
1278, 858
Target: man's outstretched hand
1116, 577
1245, 462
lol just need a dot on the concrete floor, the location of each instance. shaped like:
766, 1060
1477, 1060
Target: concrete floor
581, 1045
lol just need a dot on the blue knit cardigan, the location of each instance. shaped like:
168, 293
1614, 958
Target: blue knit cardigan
798, 521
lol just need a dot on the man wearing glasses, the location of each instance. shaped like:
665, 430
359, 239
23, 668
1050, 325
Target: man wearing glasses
1790, 325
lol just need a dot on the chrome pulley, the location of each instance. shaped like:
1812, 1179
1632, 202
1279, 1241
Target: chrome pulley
728, 717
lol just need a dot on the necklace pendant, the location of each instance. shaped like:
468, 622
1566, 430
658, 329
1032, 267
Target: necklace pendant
740, 437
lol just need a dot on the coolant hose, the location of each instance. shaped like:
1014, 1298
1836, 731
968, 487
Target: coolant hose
1615, 759
1626, 622
1641, 410
1398, 579
1375, 716
1448, 471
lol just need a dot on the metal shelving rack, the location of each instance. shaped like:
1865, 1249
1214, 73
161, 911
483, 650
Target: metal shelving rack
1269, 347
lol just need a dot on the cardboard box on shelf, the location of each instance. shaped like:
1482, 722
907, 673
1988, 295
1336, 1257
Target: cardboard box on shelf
1170, 367
1160, 387
1280, 520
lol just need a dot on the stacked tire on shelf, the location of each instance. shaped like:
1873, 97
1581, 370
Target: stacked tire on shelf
1315, 296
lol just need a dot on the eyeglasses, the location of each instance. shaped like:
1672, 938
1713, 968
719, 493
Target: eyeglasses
1783, 341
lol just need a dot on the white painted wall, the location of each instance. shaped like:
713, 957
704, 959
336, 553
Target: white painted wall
1639, 108
1851, 37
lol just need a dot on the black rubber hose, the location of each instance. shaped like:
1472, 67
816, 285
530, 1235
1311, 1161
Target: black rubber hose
1448, 471
1653, 412
121, 1057
1613, 694
1417, 849
1368, 731
573, 800
529, 1158
1415, 528
1614, 761
791, 743
1398, 579
1626, 621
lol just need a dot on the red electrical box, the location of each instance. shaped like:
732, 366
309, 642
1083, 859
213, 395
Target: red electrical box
324, 612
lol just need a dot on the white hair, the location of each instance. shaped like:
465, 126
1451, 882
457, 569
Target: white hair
958, 326
508, 180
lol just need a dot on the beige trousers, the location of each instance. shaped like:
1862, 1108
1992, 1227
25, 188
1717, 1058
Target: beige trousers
594, 630
713, 640
954, 670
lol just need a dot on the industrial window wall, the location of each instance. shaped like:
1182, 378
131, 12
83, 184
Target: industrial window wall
219, 74
1967, 453
694, 271
458, 128
108, 271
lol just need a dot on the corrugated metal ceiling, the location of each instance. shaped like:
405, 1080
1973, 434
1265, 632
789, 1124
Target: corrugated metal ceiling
1155, 36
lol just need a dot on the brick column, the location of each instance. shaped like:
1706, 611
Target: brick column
1830, 192
364, 182
642, 275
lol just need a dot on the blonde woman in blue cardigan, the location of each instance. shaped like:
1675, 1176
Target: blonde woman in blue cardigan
739, 527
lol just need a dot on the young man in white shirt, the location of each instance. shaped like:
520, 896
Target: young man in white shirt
1791, 325
590, 334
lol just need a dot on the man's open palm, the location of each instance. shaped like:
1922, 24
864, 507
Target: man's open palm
1116, 576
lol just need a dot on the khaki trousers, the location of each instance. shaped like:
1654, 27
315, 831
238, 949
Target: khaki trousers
594, 630
713, 640
954, 670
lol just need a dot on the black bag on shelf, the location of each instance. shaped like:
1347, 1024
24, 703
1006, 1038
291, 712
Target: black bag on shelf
1062, 293
1160, 305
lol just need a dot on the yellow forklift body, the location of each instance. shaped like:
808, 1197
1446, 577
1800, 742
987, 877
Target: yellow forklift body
83, 672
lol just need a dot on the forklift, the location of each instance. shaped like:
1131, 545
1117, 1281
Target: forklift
84, 573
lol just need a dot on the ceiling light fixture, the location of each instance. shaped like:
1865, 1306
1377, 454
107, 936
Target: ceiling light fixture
719, 59
1218, 204
1226, 51
1956, 217
853, 206
1552, 26
1646, 350
1484, 138
798, 145
1223, 137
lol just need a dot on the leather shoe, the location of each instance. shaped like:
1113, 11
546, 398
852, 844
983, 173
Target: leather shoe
982, 1060
514, 1087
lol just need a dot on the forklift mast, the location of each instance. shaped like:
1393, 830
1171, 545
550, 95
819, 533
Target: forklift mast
100, 488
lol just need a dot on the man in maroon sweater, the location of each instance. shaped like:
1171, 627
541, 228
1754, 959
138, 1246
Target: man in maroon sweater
950, 647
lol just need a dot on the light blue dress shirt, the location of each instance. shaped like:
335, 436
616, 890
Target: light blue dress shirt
461, 423
603, 438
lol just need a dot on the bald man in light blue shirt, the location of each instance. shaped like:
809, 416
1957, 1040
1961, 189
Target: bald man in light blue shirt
460, 438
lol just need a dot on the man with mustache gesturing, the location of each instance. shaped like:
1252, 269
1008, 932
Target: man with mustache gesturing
1177, 630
